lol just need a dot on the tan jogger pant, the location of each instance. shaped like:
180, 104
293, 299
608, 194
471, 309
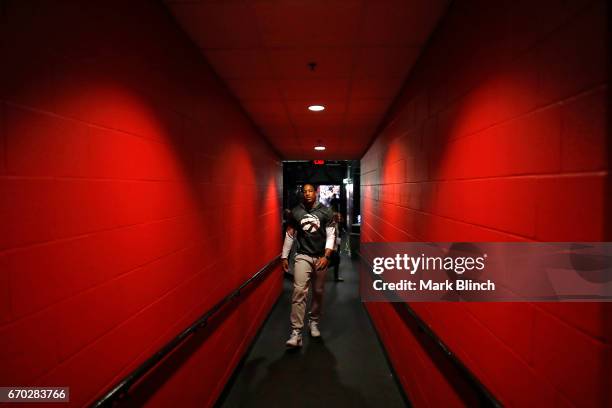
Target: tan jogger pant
303, 272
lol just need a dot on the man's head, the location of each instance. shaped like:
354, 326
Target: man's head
310, 193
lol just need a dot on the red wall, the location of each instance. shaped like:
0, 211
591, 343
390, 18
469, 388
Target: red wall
500, 135
132, 190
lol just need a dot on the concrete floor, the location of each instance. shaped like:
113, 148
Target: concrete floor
345, 368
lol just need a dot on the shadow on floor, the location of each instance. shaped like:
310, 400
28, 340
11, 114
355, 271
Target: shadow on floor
345, 368
297, 378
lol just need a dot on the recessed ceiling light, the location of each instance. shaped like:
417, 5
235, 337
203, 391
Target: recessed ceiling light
316, 108
319, 147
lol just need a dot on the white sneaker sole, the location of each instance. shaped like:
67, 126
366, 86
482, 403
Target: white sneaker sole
290, 345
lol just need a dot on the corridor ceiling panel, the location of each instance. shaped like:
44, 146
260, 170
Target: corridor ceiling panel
264, 49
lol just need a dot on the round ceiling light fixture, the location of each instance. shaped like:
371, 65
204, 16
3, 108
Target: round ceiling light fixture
316, 108
319, 146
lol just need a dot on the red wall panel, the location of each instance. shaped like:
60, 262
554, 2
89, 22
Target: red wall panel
500, 134
130, 180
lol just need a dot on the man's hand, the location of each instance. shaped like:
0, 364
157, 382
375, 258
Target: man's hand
285, 264
322, 263
324, 260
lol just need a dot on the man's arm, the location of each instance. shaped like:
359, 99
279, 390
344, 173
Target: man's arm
289, 237
330, 241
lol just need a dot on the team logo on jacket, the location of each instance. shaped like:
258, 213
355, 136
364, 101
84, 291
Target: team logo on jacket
310, 223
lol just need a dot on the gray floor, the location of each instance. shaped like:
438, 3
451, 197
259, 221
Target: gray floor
345, 368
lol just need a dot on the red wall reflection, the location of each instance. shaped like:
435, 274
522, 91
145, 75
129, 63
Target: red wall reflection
133, 189
500, 135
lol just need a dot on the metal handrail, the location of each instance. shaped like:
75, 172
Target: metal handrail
485, 395
122, 388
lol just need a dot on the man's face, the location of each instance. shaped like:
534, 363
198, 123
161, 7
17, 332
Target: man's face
310, 195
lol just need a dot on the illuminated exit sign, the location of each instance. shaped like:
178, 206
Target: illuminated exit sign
319, 162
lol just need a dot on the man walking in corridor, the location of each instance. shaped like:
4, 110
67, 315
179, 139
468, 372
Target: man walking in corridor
312, 225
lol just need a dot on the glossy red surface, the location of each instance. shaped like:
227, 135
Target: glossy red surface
500, 135
132, 189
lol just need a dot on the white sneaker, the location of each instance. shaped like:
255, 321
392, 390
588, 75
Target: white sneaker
295, 340
314, 329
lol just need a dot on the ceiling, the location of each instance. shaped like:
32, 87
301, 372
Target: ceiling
363, 50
